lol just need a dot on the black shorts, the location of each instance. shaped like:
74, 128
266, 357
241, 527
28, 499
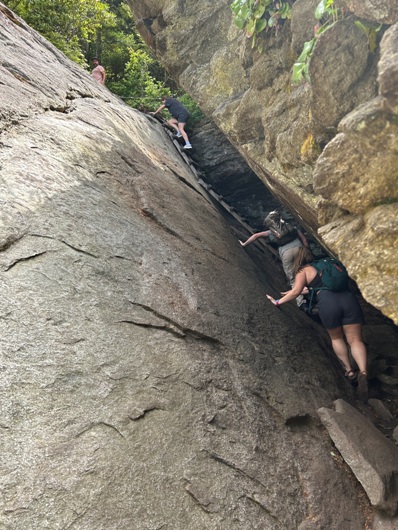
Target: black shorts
182, 117
338, 309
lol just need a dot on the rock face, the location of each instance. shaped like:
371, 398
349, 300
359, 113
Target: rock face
328, 150
144, 381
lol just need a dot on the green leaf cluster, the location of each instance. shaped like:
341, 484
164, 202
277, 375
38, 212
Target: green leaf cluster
255, 16
327, 15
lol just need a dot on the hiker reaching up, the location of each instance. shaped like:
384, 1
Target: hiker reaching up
339, 310
288, 240
178, 121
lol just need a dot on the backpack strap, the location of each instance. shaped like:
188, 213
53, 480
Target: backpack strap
310, 305
313, 290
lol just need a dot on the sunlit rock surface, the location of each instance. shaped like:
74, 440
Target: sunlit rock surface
145, 380
328, 150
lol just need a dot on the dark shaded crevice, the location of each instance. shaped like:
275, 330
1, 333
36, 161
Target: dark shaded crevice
76, 249
78, 95
131, 163
200, 498
299, 422
62, 109
18, 74
116, 256
10, 15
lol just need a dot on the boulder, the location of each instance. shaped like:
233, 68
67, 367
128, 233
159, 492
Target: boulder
372, 458
381, 11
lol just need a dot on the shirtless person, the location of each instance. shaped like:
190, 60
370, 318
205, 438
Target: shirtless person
99, 71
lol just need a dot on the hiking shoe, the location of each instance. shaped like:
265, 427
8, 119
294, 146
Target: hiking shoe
187, 146
362, 389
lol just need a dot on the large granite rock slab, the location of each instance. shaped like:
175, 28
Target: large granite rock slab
372, 457
145, 380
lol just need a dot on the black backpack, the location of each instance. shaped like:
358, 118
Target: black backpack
282, 232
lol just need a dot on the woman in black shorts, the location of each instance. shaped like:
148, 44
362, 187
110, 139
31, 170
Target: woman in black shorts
339, 312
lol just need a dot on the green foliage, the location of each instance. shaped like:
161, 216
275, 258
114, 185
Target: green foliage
255, 16
68, 24
137, 87
371, 32
326, 8
301, 66
327, 15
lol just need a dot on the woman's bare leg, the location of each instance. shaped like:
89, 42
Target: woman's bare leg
340, 347
353, 333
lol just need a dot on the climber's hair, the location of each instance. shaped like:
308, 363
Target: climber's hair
303, 257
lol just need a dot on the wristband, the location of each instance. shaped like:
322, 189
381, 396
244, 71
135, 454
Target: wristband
277, 302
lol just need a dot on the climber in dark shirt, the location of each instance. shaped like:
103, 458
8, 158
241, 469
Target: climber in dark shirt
180, 115
339, 312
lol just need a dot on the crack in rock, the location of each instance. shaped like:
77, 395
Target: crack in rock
147, 212
27, 258
233, 466
201, 499
138, 414
99, 424
164, 327
185, 331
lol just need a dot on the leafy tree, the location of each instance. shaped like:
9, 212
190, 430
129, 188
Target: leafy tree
68, 24
113, 43
137, 87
